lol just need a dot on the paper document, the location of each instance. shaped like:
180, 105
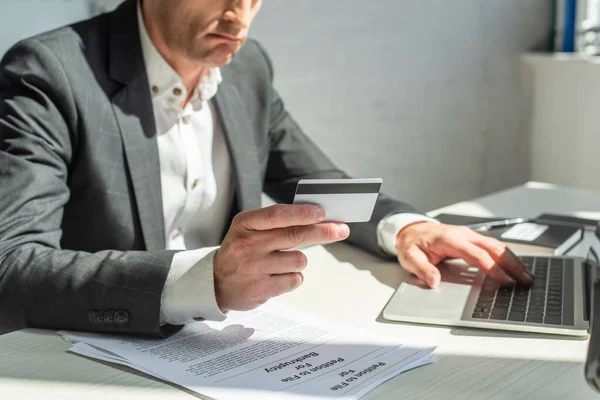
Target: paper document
273, 352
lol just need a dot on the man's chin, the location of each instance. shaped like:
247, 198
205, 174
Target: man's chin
220, 56
217, 62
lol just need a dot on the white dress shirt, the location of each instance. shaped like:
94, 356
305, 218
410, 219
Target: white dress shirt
197, 191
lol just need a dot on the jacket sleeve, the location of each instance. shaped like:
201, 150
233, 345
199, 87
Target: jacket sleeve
42, 285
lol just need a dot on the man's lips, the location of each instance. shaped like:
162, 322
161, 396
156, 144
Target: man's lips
226, 37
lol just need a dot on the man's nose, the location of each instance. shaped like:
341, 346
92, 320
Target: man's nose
239, 12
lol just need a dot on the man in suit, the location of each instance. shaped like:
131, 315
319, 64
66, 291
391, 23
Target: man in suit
134, 148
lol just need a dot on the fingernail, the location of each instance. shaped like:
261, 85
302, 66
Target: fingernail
432, 279
530, 274
526, 275
319, 213
342, 231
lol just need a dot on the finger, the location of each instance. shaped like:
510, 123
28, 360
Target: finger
284, 262
416, 281
284, 283
415, 261
279, 216
296, 236
480, 258
505, 258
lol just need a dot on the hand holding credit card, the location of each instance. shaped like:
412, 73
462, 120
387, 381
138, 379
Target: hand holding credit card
344, 200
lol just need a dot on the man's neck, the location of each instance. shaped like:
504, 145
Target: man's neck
190, 73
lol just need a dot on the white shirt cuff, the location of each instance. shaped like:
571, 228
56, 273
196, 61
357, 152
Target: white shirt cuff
190, 288
389, 227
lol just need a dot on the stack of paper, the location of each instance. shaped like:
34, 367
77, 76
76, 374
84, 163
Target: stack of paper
274, 352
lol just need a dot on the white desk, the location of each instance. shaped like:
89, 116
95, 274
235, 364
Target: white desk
350, 287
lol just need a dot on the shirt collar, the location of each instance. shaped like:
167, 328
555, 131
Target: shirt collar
164, 81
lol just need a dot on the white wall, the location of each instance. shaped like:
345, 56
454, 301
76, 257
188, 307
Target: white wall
22, 18
425, 94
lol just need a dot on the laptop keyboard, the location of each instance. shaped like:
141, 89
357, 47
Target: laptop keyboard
549, 300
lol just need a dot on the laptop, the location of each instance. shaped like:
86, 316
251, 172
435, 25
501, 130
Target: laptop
558, 302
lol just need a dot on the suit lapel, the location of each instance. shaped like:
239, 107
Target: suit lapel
133, 110
240, 139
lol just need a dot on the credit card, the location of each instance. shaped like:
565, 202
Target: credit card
344, 200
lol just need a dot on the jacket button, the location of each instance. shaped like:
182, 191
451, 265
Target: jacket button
100, 317
109, 317
121, 317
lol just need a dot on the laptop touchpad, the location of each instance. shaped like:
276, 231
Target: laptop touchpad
447, 301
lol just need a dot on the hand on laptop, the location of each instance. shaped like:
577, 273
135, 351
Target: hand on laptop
423, 245
249, 268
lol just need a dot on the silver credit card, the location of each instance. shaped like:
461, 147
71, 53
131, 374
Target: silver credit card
344, 200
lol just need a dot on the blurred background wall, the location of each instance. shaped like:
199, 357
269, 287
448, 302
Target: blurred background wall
423, 93
22, 18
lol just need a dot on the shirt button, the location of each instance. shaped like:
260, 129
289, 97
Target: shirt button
195, 184
177, 92
177, 233
199, 319
155, 89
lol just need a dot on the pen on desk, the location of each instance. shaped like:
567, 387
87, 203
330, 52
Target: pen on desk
484, 226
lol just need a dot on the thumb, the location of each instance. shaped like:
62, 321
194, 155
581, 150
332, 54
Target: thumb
415, 261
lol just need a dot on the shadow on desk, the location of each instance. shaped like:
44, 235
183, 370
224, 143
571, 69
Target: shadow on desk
471, 377
389, 273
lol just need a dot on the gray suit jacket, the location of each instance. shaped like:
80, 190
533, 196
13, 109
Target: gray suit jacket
81, 223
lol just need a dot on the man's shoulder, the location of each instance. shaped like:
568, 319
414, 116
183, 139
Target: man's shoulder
85, 34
